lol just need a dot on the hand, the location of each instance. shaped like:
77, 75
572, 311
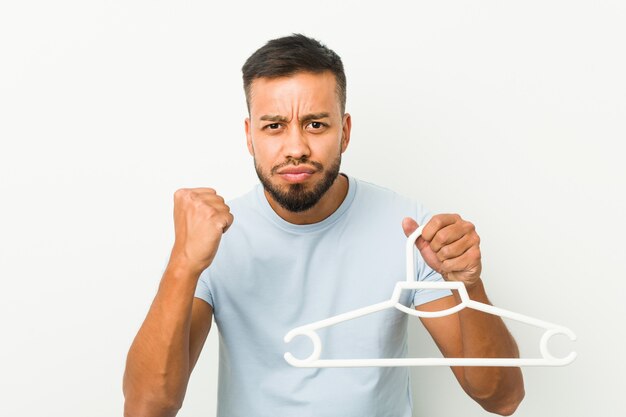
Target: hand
200, 219
450, 246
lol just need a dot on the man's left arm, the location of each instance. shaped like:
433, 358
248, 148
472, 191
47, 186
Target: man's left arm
450, 246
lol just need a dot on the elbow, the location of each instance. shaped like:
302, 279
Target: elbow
148, 402
501, 398
508, 406
146, 407
503, 404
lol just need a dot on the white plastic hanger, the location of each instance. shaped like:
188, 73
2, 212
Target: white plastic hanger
313, 361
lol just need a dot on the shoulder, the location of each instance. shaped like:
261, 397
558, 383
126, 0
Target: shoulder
372, 188
374, 197
376, 194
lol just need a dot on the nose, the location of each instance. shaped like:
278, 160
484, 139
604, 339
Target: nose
296, 145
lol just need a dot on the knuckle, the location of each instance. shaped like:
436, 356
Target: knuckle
192, 193
474, 252
209, 211
441, 237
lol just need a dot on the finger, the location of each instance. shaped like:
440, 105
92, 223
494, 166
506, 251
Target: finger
409, 226
212, 199
206, 196
466, 262
221, 220
457, 248
222, 212
446, 236
203, 190
438, 222
188, 192
229, 221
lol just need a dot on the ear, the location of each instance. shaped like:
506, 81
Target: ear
249, 136
347, 126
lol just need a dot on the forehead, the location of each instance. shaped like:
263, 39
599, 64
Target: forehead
303, 91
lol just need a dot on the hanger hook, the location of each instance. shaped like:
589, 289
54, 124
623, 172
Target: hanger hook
545, 352
317, 347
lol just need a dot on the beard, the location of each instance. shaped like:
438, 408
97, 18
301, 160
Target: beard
297, 198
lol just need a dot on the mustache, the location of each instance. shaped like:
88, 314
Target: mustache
296, 162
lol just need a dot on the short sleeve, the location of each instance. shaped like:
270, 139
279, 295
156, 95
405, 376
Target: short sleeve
423, 271
423, 296
203, 289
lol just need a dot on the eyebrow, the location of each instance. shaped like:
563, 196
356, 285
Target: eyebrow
314, 116
305, 118
273, 118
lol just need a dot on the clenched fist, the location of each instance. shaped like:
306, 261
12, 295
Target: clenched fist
200, 219
450, 246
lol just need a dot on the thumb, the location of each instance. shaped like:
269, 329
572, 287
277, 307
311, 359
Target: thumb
409, 225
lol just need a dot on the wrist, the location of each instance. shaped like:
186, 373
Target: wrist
476, 291
473, 285
180, 266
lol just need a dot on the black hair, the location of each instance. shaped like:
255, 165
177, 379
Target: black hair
288, 55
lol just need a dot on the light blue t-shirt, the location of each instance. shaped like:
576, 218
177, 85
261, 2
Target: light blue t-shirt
270, 276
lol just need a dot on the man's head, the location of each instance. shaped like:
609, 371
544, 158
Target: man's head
297, 127
286, 56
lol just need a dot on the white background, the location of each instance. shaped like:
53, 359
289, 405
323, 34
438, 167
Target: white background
510, 113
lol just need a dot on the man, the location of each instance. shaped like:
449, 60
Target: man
308, 244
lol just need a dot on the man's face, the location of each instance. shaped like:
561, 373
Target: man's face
296, 134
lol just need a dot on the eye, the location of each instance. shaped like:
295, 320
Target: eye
272, 127
316, 125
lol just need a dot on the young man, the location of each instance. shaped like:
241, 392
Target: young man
307, 244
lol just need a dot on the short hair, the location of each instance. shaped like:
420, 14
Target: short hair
289, 55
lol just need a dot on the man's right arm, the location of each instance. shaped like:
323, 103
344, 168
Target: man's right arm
169, 342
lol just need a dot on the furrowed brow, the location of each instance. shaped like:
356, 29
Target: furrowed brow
273, 118
314, 116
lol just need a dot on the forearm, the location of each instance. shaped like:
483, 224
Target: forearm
157, 366
497, 389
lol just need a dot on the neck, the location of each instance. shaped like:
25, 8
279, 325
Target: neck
327, 205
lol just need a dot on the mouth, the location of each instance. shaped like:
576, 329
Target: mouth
295, 174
